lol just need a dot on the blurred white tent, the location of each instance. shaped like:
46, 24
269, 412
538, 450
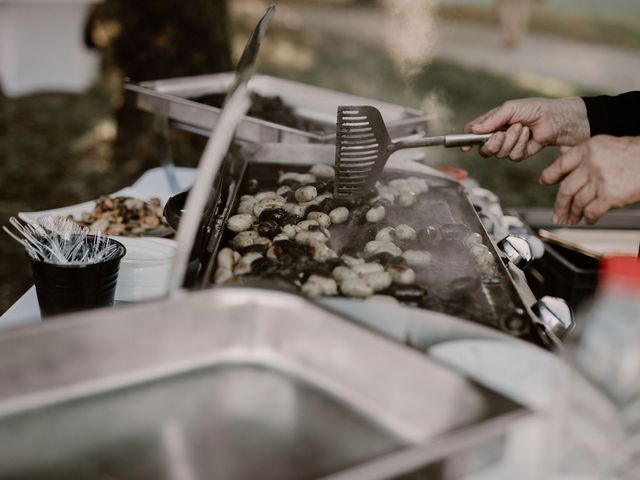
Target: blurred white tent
41, 46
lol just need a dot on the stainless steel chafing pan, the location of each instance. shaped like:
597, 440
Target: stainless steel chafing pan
177, 99
229, 383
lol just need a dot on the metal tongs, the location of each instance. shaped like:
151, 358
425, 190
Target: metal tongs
236, 105
363, 146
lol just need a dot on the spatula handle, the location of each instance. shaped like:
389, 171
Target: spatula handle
465, 139
454, 140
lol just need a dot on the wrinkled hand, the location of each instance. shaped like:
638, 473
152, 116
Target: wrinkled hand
595, 176
524, 127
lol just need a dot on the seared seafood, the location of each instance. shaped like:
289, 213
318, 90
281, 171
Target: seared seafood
124, 216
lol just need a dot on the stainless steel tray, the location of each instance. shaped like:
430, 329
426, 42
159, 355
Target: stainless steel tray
229, 383
172, 98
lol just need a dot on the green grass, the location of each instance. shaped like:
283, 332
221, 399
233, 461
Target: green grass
617, 31
602, 22
43, 157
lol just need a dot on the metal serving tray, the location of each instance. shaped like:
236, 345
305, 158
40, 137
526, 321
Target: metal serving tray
171, 97
229, 383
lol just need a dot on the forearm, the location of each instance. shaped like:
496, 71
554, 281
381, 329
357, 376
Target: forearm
571, 125
618, 116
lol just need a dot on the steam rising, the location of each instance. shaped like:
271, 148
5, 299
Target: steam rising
411, 32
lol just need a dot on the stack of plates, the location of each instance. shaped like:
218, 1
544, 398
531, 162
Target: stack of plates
145, 269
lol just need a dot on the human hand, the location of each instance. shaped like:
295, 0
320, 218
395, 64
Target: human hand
595, 176
524, 127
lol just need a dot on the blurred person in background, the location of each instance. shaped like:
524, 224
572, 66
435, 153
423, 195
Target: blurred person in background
599, 167
514, 20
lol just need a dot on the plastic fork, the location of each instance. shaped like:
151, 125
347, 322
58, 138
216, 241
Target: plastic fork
363, 146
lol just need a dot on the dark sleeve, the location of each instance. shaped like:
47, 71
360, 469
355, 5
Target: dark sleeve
618, 116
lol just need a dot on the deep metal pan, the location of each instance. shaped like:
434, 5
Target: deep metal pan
229, 383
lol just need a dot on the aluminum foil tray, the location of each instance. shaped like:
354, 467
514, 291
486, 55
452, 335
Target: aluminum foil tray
175, 98
229, 383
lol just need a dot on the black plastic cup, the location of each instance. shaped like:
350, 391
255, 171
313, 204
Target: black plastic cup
70, 288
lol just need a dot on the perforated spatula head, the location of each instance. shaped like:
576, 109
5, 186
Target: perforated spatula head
362, 150
363, 146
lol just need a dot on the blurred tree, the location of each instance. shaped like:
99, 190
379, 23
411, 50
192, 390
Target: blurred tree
169, 38
154, 39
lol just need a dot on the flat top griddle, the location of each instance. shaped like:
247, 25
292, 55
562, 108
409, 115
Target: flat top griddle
453, 284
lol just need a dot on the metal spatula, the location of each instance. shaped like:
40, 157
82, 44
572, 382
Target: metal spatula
236, 105
363, 146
